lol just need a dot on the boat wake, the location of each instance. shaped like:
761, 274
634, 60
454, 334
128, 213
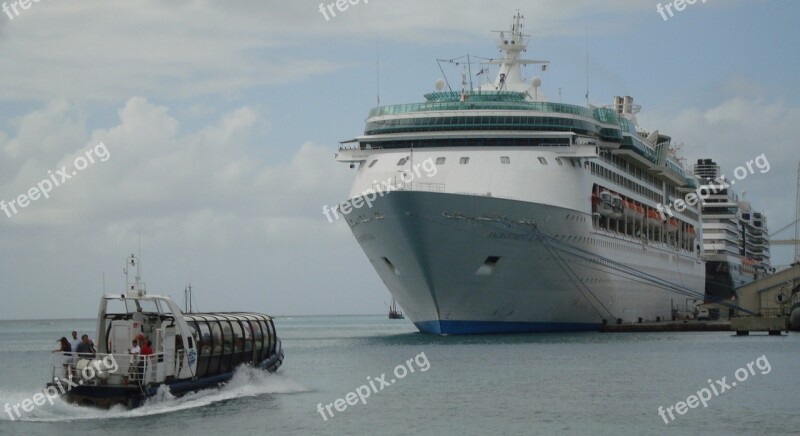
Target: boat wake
246, 382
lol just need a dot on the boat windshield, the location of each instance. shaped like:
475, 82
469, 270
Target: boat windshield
119, 306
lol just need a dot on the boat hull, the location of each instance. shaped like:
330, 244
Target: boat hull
133, 395
794, 318
457, 268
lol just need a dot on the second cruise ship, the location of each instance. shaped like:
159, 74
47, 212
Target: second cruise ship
736, 243
539, 216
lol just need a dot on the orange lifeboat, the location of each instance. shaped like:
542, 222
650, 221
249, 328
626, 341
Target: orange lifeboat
653, 218
629, 209
672, 225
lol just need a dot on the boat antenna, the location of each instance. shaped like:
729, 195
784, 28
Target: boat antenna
139, 257
469, 68
188, 298
587, 67
378, 71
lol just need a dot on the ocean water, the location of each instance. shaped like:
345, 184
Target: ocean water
586, 383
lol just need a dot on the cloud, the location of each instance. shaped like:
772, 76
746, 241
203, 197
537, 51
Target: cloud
109, 50
198, 194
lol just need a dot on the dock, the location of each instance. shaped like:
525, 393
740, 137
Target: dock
668, 326
773, 325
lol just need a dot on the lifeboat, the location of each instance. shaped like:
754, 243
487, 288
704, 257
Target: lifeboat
189, 351
630, 210
605, 205
672, 225
616, 203
652, 217
690, 234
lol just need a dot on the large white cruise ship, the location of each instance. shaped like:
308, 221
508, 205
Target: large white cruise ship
529, 215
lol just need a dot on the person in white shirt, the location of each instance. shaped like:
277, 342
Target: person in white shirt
135, 349
73, 342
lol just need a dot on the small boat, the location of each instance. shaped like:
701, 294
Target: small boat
639, 213
610, 205
652, 218
394, 313
630, 210
690, 234
672, 225
189, 351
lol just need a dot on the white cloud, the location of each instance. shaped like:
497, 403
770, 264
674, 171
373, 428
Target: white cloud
200, 191
106, 50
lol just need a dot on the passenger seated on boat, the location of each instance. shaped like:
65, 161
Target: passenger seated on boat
86, 348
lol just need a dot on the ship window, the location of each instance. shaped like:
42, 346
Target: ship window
267, 341
248, 336
488, 266
216, 335
440, 160
204, 338
258, 336
505, 160
238, 343
464, 160
372, 164
402, 161
227, 340
542, 160
391, 266
558, 161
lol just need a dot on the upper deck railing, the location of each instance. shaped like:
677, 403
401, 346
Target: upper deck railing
486, 100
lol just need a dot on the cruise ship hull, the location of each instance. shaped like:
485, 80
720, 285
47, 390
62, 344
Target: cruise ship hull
794, 314
461, 264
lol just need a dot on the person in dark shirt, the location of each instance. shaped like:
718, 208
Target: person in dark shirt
66, 352
86, 348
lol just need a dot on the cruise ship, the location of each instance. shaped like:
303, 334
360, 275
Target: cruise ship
530, 215
736, 244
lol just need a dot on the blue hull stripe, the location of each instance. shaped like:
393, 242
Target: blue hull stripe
480, 327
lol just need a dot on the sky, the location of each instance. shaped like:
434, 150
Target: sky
204, 132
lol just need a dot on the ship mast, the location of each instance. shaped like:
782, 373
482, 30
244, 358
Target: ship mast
136, 287
511, 43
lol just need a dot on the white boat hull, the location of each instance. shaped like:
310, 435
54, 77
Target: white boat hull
431, 251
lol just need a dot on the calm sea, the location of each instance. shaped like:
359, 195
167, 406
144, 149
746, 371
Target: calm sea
590, 383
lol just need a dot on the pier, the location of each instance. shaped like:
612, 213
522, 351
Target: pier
668, 326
